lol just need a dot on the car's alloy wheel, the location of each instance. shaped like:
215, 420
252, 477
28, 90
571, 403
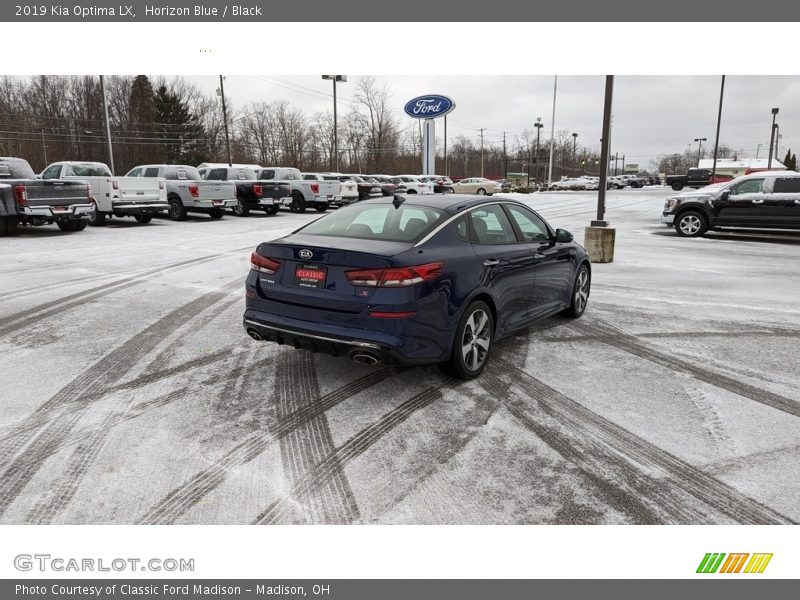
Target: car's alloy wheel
176, 210
240, 209
580, 293
97, 218
691, 224
481, 191
472, 344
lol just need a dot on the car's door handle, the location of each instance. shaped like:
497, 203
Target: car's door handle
491, 262
758, 201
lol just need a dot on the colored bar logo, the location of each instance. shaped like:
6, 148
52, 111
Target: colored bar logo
734, 563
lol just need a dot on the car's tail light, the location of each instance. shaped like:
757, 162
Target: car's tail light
194, 190
262, 264
258, 189
315, 188
396, 277
392, 315
21, 195
115, 184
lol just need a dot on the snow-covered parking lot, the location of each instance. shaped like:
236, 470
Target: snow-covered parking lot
130, 393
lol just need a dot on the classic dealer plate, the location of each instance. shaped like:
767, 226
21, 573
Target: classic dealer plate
310, 276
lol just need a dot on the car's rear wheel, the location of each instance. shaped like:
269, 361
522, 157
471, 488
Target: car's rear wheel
8, 225
177, 212
97, 218
271, 210
240, 209
580, 293
67, 225
144, 219
677, 185
481, 192
691, 224
472, 344
321, 207
298, 204
217, 213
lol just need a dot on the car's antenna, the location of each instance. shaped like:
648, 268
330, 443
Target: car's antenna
398, 200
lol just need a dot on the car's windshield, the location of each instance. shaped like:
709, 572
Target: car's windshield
378, 221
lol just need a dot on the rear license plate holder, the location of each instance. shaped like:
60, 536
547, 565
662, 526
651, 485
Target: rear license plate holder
310, 276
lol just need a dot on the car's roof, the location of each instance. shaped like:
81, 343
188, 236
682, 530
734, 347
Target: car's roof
444, 202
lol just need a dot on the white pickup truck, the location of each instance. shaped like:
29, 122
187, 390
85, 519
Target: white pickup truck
348, 190
118, 196
319, 194
188, 192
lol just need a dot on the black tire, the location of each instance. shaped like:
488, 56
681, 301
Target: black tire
677, 185
216, 213
298, 204
691, 223
240, 209
177, 211
271, 210
467, 350
8, 226
481, 192
67, 225
80, 225
321, 207
144, 219
97, 218
580, 293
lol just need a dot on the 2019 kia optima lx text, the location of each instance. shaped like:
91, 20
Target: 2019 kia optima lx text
415, 280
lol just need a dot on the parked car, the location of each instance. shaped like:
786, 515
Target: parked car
348, 190
569, 183
616, 182
764, 200
388, 187
367, 188
694, 178
250, 192
113, 196
28, 201
303, 193
443, 184
476, 185
634, 181
188, 192
203, 168
415, 280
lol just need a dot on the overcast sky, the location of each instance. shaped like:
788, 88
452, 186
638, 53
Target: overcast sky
652, 114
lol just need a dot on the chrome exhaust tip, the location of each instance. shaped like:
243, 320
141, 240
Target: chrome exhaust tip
255, 335
365, 358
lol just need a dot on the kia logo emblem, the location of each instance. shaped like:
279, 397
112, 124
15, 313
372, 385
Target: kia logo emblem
305, 253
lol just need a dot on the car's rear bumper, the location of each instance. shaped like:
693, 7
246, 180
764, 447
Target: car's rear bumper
138, 208
338, 342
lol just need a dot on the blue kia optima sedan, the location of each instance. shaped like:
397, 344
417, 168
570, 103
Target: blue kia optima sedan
415, 280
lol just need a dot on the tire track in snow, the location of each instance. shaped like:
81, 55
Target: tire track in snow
180, 500
661, 481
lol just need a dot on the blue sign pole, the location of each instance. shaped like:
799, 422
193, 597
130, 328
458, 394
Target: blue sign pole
428, 108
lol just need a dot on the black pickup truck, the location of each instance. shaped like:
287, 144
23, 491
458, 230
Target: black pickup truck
695, 178
29, 201
250, 192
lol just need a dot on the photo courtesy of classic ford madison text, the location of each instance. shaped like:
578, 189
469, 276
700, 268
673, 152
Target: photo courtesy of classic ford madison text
394, 299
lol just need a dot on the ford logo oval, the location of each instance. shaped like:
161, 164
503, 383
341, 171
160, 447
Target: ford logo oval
305, 254
431, 106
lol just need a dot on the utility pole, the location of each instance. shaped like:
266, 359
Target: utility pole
108, 128
225, 119
772, 138
599, 238
44, 148
719, 121
552, 133
482, 129
505, 157
335, 79
623, 164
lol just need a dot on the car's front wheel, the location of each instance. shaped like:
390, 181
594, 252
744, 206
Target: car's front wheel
691, 224
473, 342
240, 209
580, 293
321, 207
481, 192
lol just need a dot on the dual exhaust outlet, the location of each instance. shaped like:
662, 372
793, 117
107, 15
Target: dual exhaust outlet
362, 357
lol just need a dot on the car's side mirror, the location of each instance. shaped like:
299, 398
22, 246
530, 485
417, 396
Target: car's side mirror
725, 195
563, 236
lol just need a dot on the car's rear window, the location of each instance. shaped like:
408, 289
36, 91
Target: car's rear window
378, 222
90, 171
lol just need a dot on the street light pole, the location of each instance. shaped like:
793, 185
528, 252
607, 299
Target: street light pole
335, 79
446, 170
719, 120
605, 142
772, 137
539, 126
574, 153
552, 133
481, 130
699, 148
108, 127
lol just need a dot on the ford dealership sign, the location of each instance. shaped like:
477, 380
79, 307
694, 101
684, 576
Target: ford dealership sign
431, 106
